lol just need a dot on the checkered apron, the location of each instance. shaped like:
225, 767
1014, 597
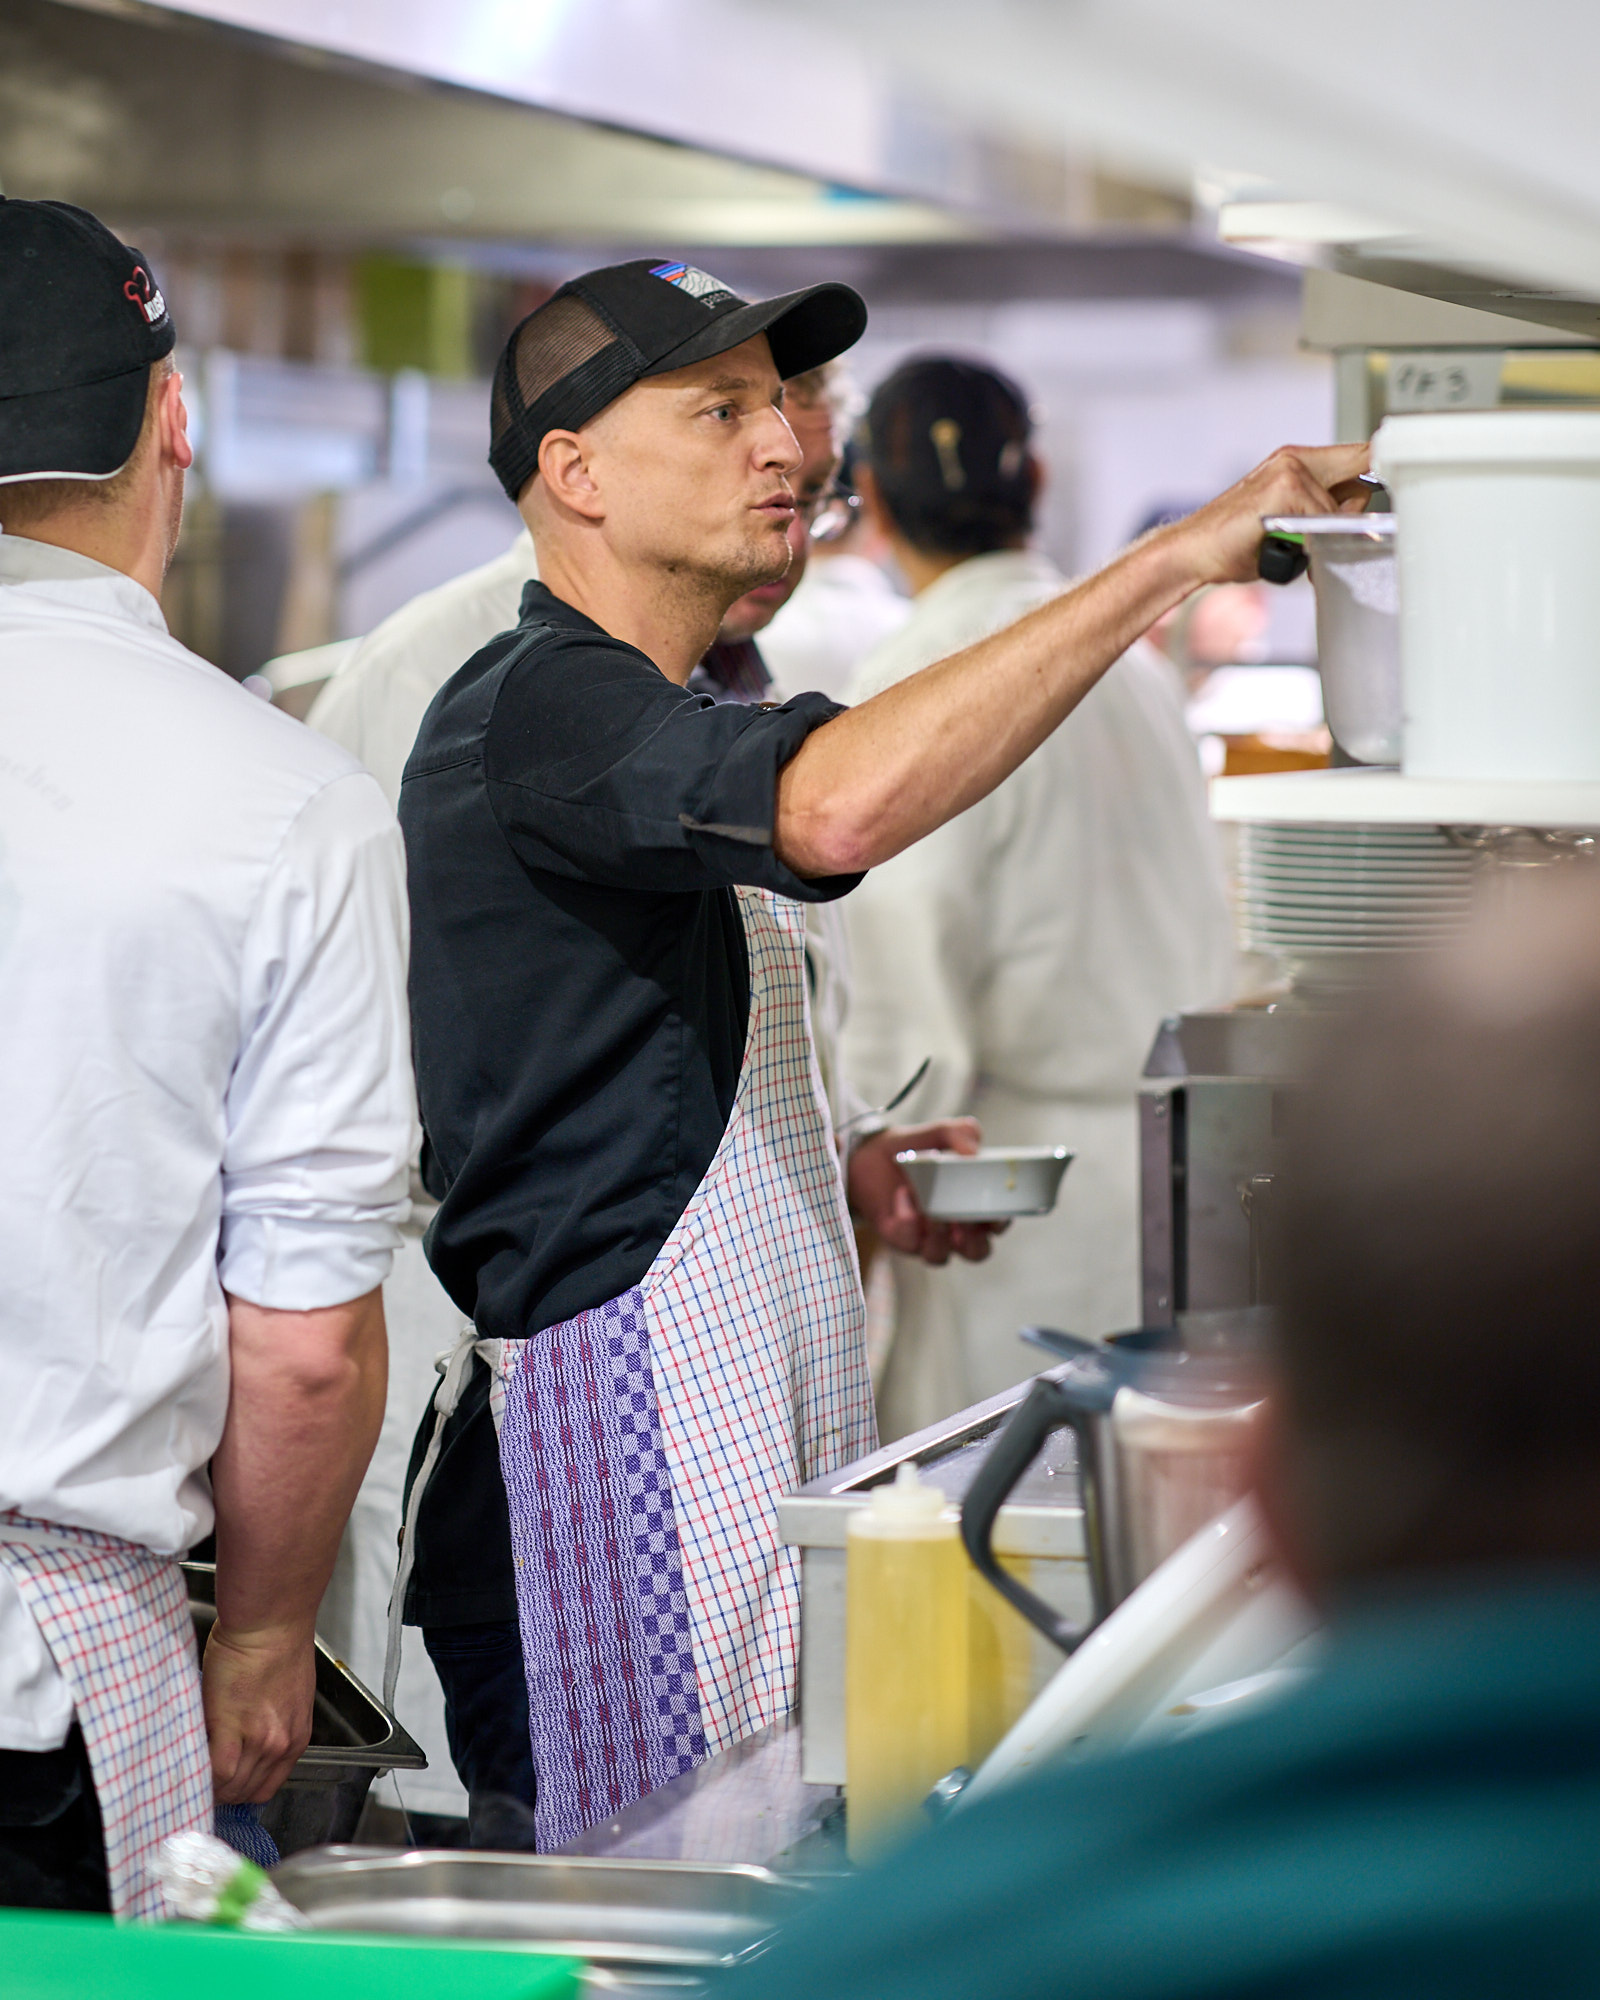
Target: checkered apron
115, 1618
644, 1443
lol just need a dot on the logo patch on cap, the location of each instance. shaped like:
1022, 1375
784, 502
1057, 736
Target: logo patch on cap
698, 284
146, 295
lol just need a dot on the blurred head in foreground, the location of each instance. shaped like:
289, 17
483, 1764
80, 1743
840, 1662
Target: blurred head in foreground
1440, 1350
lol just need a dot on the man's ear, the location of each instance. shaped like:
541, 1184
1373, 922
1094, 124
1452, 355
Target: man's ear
172, 423
568, 476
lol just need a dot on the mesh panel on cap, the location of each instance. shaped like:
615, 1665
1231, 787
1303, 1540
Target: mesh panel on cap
559, 368
549, 344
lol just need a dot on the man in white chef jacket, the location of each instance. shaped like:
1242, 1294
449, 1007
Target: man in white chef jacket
1032, 945
207, 1109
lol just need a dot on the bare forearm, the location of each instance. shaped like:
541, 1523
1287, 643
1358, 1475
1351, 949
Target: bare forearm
304, 1411
879, 777
885, 773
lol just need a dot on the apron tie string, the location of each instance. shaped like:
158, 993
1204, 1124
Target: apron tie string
452, 1364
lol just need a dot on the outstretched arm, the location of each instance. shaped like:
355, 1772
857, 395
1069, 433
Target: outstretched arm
885, 773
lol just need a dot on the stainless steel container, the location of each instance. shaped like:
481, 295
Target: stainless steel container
1043, 1522
1354, 573
628, 1915
1211, 1112
353, 1738
993, 1184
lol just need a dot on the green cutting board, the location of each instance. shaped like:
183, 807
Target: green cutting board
54, 1957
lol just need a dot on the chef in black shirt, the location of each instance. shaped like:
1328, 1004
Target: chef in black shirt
640, 1206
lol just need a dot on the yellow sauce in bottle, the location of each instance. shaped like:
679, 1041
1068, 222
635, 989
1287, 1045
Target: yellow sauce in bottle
1000, 1669
906, 1658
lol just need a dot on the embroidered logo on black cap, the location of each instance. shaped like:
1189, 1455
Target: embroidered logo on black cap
146, 295
698, 284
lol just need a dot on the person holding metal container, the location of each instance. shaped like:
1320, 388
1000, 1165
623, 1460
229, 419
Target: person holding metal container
1033, 944
640, 1203
207, 1110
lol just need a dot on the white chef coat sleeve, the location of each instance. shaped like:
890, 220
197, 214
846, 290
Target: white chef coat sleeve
320, 1111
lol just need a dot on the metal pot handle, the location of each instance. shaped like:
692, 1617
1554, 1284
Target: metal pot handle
1048, 1406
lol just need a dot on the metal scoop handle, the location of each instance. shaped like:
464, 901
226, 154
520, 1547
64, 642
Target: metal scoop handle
899, 1098
1281, 559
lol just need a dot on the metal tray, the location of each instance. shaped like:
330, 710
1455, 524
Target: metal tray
692, 1916
353, 1738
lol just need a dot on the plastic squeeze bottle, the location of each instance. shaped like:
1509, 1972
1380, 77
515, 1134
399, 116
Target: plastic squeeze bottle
1000, 1662
906, 1658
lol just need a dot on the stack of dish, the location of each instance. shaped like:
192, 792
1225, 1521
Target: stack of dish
1327, 899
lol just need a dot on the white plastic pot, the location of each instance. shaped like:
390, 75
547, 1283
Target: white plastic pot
1499, 548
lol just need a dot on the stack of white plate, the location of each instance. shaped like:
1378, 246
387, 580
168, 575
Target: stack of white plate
1327, 900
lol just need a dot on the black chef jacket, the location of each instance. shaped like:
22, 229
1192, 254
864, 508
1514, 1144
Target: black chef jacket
574, 826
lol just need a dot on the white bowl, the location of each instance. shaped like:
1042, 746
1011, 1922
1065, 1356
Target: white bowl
986, 1186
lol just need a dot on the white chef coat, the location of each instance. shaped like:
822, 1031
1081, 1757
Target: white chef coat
1031, 947
205, 1077
375, 703
841, 609
374, 706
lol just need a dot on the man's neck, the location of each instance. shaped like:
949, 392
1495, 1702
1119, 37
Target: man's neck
921, 567
116, 541
670, 617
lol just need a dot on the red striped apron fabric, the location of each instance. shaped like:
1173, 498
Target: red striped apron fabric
115, 1618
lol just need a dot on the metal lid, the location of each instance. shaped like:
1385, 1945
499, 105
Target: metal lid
1358, 527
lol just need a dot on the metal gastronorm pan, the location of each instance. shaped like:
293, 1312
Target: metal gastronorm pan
687, 1914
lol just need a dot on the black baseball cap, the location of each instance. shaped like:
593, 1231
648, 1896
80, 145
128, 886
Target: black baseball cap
81, 321
610, 328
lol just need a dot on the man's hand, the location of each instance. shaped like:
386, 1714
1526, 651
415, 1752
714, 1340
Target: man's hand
258, 1689
1222, 540
881, 1195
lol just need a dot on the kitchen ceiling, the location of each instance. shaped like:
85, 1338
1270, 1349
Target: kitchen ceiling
1447, 148
489, 123
139, 114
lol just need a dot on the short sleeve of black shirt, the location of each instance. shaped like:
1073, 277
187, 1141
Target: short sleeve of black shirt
576, 826
602, 770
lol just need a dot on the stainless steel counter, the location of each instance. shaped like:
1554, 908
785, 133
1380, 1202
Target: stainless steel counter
747, 1804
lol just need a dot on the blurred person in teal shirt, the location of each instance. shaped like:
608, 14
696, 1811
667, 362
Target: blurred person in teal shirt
1421, 1817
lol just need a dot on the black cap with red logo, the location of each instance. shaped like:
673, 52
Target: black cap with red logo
81, 321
